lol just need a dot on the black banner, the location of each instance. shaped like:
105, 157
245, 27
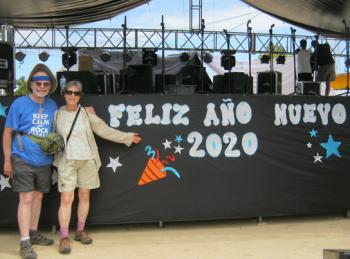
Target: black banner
213, 157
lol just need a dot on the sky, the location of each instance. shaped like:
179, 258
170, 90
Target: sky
231, 15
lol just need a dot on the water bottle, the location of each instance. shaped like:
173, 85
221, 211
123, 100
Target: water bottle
62, 83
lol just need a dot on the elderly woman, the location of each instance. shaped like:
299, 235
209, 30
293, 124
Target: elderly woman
78, 165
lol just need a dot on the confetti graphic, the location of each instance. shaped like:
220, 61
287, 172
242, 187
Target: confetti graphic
157, 168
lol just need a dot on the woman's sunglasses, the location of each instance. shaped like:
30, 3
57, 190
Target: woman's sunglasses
76, 93
45, 84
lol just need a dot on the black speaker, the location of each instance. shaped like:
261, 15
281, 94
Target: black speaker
233, 83
308, 88
87, 78
168, 80
270, 82
139, 78
6, 66
218, 84
191, 75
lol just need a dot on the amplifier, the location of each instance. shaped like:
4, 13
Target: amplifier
336, 254
308, 88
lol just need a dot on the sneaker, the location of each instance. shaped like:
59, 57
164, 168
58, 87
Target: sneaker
83, 237
39, 239
26, 251
64, 247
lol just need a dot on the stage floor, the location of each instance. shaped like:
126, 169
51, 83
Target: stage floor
287, 237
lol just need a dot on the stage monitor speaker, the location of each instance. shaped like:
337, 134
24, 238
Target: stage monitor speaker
6, 67
336, 254
168, 80
308, 88
139, 78
88, 80
269, 82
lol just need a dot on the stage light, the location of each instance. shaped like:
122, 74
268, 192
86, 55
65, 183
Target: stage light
208, 58
281, 60
44, 56
105, 56
69, 57
149, 56
19, 56
127, 56
265, 59
184, 57
228, 60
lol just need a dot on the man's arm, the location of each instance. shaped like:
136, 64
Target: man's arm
7, 148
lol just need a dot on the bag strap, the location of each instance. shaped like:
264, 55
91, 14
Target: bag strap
71, 128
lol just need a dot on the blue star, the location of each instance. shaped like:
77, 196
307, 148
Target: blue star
178, 138
2, 110
331, 147
313, 133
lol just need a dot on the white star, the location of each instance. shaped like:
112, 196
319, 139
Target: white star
4, 182
309, 145
167, 144
114, 163
178, 149
317, 158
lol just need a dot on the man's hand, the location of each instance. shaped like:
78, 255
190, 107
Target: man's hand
8, 168
90, 109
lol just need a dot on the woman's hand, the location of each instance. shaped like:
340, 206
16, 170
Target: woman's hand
136, 138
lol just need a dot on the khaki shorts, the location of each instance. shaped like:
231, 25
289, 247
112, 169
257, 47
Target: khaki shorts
78, 174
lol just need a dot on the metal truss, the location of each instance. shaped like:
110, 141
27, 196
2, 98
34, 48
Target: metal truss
177, 40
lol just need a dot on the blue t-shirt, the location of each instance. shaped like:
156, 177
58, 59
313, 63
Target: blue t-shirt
28, 116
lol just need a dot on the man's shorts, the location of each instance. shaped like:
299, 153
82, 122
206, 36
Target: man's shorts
78, 174
326, 73
28, 178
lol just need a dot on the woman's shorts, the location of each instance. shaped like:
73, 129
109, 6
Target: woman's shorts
78, 174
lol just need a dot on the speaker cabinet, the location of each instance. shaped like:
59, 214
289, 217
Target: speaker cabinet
233, 83
308, 88
139, 78
88, 80
6, 66
168, 80
191, 75
270, 82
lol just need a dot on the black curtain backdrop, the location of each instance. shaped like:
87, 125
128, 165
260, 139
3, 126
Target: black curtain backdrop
262, 161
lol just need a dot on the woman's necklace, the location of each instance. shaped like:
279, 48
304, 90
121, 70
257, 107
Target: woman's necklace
40, 112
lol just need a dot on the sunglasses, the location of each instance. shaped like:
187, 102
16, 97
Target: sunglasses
45, 84
75, 93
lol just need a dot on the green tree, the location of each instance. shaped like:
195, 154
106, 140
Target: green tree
21, 86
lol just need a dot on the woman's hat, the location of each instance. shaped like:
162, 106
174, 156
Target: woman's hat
45, 69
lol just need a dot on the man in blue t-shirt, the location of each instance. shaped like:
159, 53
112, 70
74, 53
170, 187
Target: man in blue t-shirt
24, 161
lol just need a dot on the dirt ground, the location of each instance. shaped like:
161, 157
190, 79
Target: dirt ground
286, 237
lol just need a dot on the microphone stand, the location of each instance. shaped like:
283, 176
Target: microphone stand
271, 60
294, 62
123, 90
249, 31
163, 57
347, 56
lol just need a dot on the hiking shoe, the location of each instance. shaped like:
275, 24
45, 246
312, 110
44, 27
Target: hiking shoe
64, 246
39, 239
26, 251
83, 237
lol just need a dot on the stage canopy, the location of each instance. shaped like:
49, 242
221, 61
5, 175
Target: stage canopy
58, 13
322, 16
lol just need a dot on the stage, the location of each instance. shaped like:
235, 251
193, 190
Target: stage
207, 157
